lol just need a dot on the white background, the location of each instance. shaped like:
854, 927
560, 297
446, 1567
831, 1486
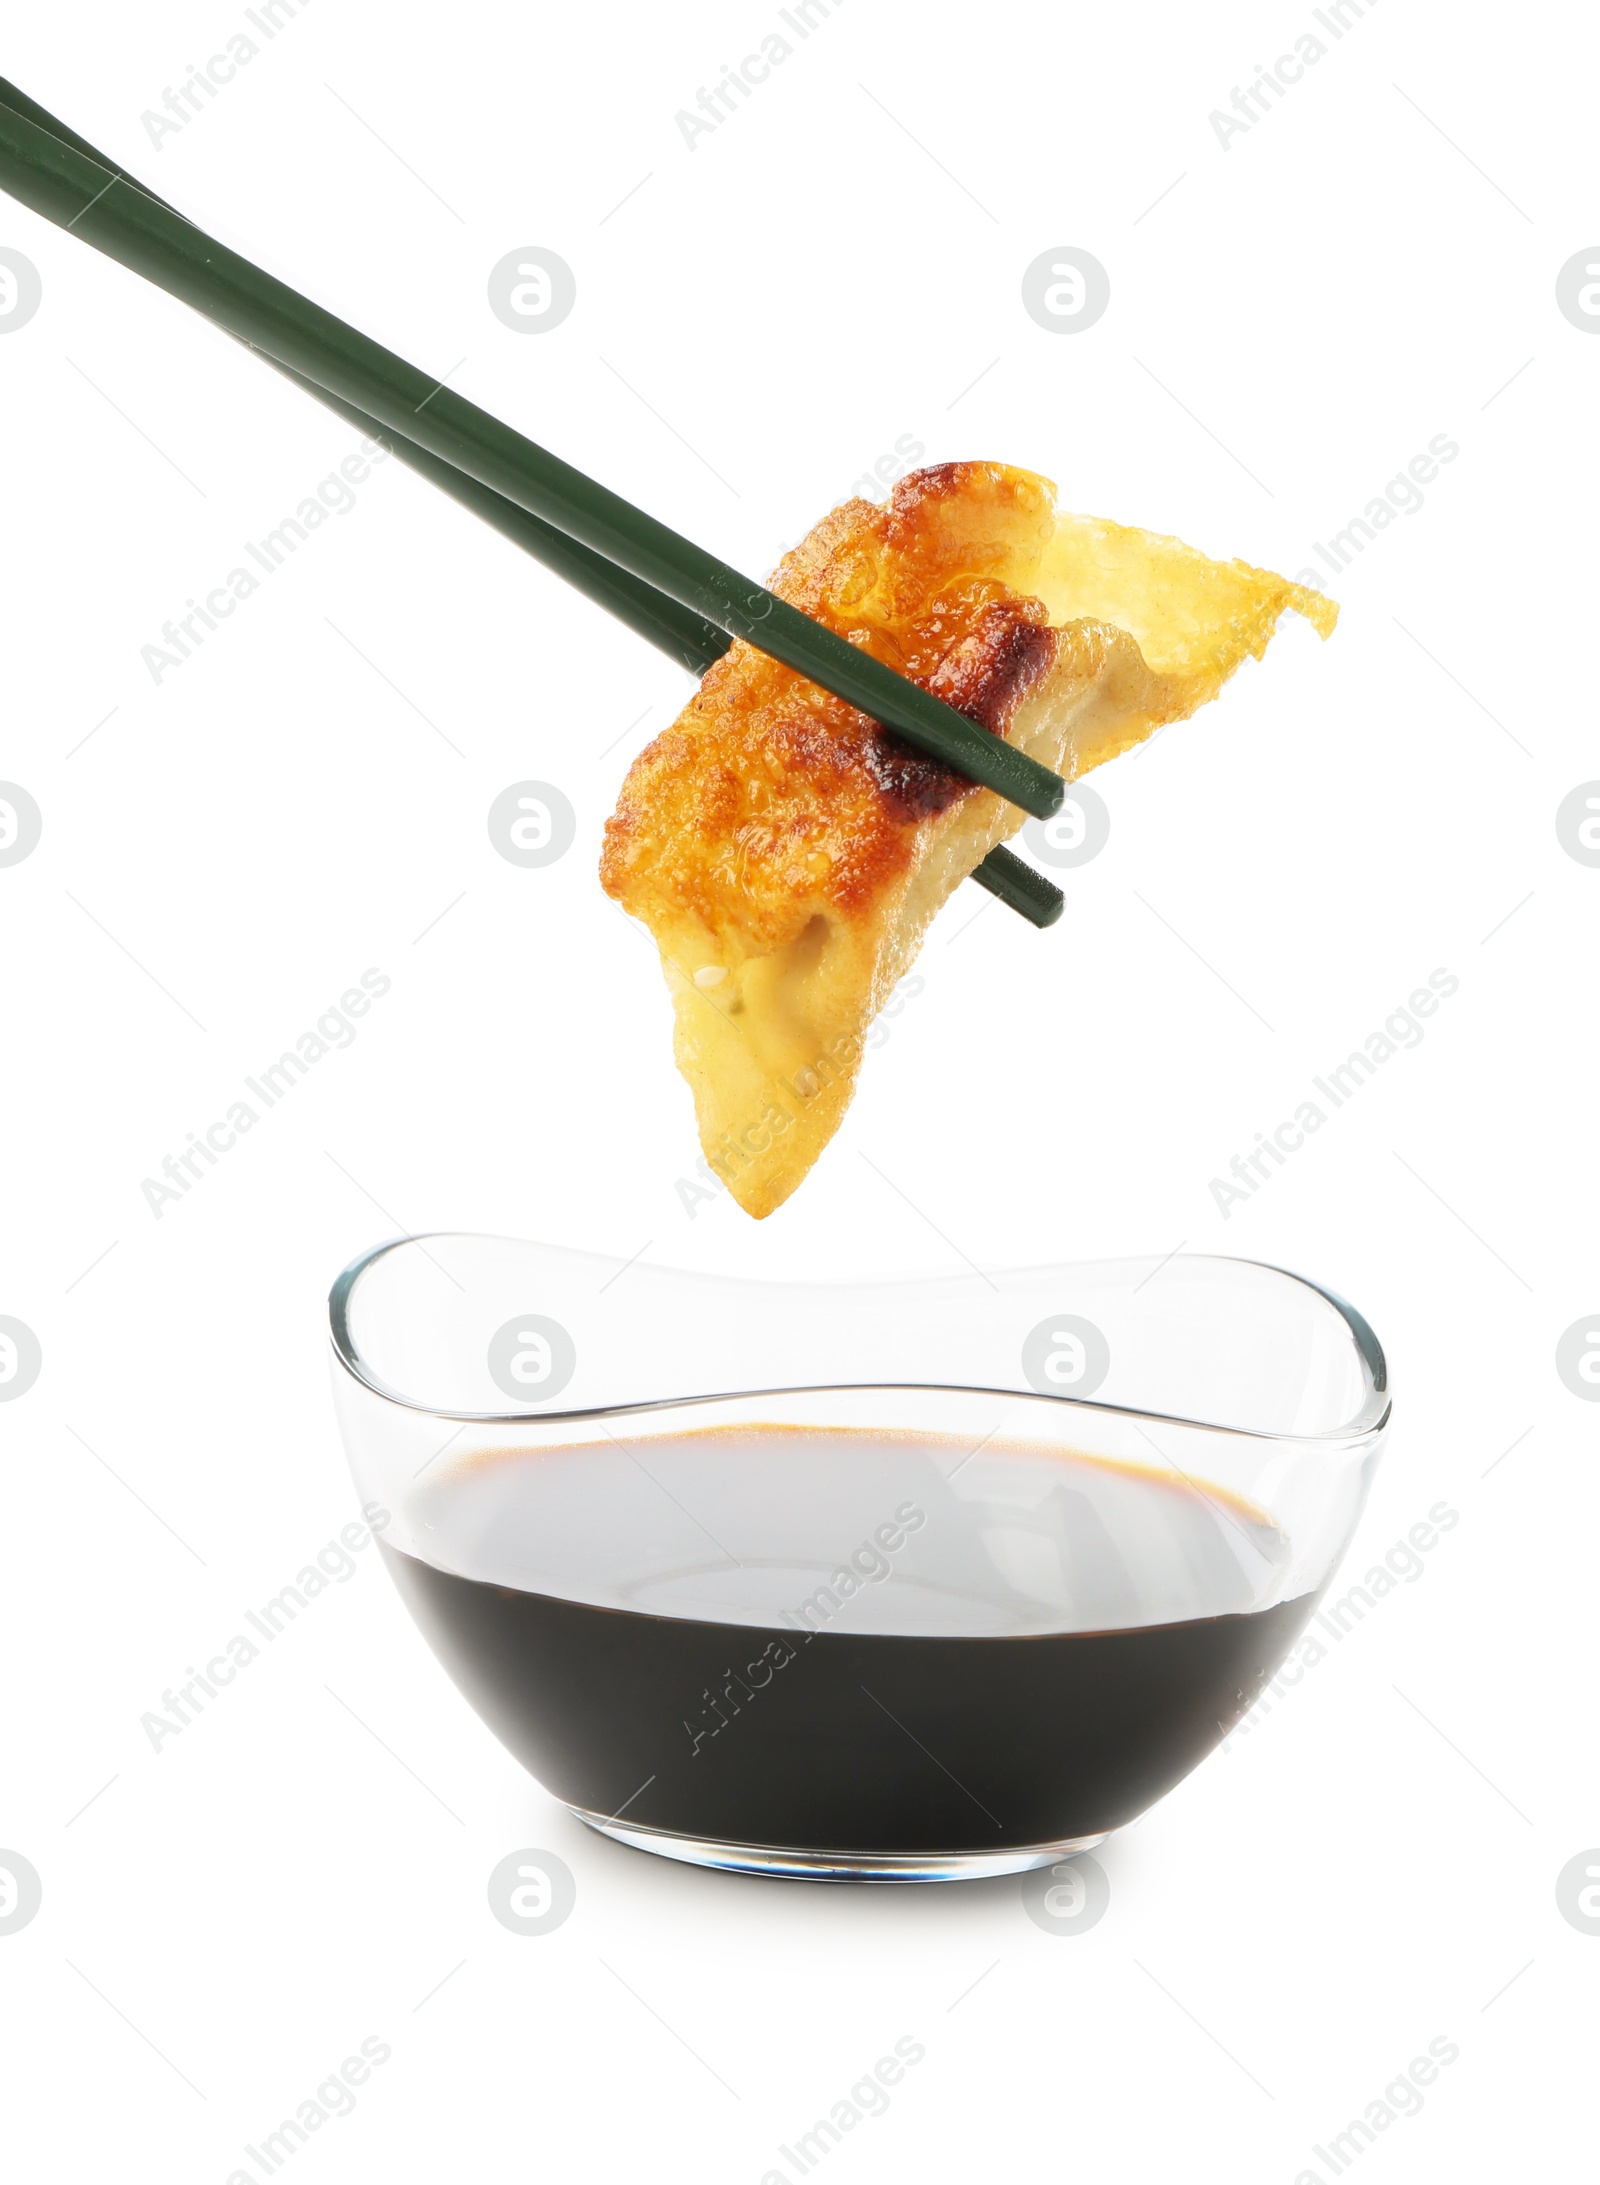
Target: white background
1369, 266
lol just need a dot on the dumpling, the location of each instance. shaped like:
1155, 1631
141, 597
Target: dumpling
787, 853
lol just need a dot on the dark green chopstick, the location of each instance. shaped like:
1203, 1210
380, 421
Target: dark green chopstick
117, 217
1015, 883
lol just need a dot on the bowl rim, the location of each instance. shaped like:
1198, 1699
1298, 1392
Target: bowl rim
1371, 1418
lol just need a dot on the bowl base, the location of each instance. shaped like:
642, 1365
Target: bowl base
837, 1866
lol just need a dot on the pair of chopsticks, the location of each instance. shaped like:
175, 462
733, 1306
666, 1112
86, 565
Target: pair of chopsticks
661, 585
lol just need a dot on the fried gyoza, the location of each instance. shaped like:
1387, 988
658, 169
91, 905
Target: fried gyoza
787, 853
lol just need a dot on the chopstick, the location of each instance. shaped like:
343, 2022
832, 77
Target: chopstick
65, 186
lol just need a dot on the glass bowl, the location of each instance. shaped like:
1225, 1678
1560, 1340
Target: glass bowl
906, 1580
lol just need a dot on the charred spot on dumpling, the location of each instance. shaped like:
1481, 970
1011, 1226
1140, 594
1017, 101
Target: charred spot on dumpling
995, 651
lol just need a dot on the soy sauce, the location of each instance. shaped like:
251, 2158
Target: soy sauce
972, 1726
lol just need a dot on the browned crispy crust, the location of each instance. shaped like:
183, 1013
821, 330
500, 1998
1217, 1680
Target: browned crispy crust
768, 789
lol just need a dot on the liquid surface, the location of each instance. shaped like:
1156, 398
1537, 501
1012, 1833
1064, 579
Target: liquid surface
907, 1535
848, 1642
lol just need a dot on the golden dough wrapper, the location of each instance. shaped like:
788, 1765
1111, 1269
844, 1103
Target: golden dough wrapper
787, 853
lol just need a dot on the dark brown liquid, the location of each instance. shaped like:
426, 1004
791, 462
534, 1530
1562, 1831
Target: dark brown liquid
852, 1740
